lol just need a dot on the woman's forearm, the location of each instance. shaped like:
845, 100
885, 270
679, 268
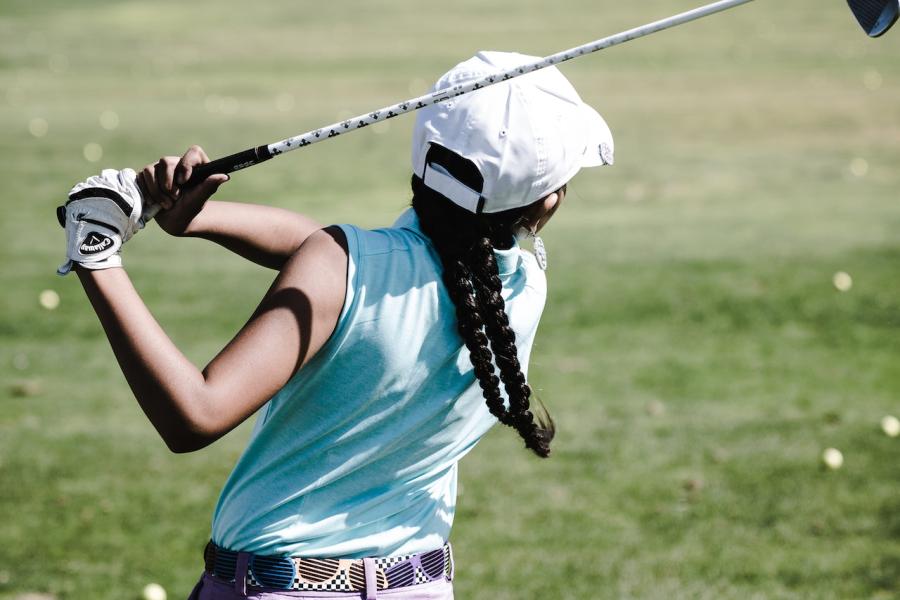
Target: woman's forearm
265, 235
166, 384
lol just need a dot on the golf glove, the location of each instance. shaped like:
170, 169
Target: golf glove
102, 213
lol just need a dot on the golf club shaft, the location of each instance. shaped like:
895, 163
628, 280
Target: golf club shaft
253, 156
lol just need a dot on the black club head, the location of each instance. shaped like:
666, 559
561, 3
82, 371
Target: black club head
875, 16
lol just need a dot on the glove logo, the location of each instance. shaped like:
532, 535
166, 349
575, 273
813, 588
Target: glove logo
94, 243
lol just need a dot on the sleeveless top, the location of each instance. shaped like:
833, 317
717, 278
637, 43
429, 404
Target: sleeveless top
357, 454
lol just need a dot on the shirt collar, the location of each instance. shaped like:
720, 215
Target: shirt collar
507, 260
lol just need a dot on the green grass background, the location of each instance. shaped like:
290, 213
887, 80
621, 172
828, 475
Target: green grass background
694, 352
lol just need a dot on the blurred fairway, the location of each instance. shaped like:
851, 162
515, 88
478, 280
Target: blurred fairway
694, 352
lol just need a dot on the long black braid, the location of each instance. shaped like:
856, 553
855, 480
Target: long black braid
465, 243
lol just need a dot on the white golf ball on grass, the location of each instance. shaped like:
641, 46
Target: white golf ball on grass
842, 281
153, 591
49, 299
833, 458
890, 425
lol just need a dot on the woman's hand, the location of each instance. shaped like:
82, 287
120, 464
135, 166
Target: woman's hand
266, 235
162, 183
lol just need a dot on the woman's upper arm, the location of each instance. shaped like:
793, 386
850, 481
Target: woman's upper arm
266, 235
292, 322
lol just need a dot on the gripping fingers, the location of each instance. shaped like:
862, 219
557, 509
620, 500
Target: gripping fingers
164, 171
150, 204
193, 157
146, 180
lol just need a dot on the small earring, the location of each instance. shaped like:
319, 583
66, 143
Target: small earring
540, 252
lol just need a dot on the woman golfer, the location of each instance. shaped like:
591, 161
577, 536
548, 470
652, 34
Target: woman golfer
376, 360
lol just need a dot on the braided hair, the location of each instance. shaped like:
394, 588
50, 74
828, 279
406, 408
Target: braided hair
465, 243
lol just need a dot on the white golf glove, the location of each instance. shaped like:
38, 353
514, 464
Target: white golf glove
103, 212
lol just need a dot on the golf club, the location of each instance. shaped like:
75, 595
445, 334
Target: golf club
875, 17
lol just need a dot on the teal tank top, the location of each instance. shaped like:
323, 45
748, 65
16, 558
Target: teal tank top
357, 454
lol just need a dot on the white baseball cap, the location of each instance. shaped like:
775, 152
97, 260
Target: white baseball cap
510, 144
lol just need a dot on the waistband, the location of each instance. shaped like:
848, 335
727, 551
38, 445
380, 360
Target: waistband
328, 574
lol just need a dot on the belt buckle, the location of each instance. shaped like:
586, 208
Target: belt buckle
277, 572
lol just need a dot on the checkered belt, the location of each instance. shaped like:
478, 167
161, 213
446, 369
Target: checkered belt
330, 574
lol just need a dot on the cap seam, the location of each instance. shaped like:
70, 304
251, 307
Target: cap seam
539, 145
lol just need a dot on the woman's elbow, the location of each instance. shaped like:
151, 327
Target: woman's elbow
188, 435
184, 444
192, 422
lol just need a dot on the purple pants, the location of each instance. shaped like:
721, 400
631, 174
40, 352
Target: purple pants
209, 588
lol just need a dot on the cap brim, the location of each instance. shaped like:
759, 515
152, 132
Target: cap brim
600, 148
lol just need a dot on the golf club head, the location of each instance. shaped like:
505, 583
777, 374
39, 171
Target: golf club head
875, 16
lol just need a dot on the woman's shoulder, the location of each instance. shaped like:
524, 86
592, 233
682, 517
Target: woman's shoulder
403, 235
